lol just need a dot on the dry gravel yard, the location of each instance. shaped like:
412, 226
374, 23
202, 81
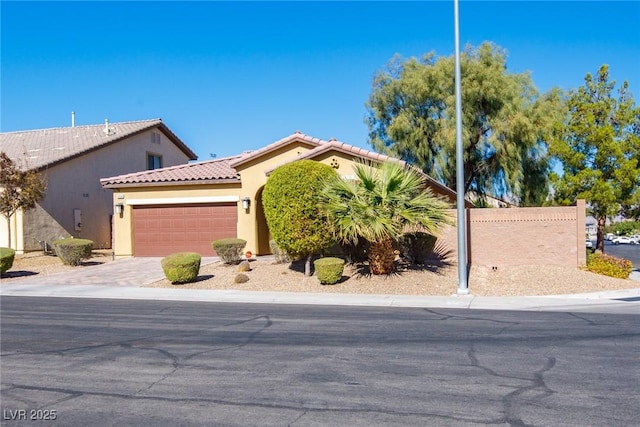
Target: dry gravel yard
442, 281
265, 275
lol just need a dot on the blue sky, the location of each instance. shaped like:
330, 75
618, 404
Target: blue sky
233, 76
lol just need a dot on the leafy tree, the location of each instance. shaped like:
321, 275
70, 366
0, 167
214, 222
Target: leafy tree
378, 206
599, 149
626, 227
631, 207
19, 190
411, 115
290, 201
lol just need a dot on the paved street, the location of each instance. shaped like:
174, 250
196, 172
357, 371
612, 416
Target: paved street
160, 363
630, 252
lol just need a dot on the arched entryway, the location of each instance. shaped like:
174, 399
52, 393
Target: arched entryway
262, 229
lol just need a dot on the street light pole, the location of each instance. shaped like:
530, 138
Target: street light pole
463, 285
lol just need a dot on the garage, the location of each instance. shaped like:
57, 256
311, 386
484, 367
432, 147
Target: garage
159, 230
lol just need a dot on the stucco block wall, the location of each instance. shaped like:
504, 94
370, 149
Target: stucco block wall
75, 184
522, 236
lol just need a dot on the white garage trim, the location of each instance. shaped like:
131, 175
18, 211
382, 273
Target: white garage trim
183, 200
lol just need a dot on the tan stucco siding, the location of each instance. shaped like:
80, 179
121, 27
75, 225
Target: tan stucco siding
75, 184
17, 232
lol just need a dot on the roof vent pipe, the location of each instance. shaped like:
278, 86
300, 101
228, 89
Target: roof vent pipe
73, 119
106, 126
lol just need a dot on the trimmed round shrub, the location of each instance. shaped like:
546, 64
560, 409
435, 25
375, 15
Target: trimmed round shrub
329, 270
229, 250
290, 201
609, 265
244, 266
73, 251
7, 255
240, 278
181, 267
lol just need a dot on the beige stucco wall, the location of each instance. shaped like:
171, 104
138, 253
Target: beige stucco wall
499, 237
75, 184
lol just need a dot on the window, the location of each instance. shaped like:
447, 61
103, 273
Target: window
154, 161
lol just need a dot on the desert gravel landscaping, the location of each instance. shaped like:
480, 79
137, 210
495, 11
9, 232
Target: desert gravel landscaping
266, 275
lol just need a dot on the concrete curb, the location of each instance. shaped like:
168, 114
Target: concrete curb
535, 303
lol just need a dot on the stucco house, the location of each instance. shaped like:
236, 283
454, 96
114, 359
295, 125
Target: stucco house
186, 207
72, 160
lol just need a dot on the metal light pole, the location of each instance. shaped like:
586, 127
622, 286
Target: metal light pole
463, 285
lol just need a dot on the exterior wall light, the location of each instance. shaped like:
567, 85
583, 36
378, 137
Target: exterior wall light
119, 208
246, 202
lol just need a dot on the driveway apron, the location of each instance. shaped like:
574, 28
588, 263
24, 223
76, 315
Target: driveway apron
132, 272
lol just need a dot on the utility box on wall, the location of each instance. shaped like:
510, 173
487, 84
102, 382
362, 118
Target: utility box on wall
77, 220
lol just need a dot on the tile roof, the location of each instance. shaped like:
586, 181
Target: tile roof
210, 171
223, 170
296, 136
46, 147
334, 145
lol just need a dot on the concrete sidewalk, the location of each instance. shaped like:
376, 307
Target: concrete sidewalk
124, 279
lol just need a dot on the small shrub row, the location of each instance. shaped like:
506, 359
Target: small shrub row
7, 256
609, 265
73, 251
329, 270
229, 250
181, 267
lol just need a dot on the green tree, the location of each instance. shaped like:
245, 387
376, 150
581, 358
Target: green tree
19, 190
599, 149
290, 202
379, 206
411, 115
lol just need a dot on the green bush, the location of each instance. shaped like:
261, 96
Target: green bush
73, 251
181, 267
416, 247
609, 265
281, 256
329, 270
290, 201
7, 256
229, 250
355, 252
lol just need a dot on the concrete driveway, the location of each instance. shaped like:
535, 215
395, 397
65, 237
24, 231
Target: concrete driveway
132, 272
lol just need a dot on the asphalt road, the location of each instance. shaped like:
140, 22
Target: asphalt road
630, 252
90, 362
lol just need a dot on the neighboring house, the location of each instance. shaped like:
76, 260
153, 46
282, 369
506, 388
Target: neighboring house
489, 201
186, 207
591, 227
72, 160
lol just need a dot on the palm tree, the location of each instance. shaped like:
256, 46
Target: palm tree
379, 206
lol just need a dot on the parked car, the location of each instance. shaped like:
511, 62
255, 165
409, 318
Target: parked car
624, 240
589, 244
609, 236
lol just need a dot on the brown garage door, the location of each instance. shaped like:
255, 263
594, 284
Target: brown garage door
165, 229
